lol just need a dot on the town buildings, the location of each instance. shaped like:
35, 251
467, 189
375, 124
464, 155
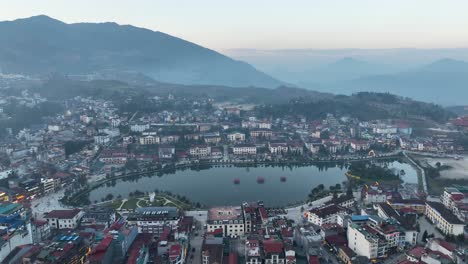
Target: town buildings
327, 214
229, 220
444, 219
236, 137
153, 220
200, 151
244, 149
64, 219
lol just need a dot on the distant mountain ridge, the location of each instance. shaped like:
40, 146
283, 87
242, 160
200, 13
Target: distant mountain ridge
435, 75
42, 45
444, 81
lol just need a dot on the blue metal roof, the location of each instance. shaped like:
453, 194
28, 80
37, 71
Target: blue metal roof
359, 217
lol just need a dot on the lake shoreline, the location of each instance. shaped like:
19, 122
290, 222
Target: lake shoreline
199, 166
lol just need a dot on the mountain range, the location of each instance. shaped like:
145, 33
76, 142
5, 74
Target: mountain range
42, 45
444, 81
435, 75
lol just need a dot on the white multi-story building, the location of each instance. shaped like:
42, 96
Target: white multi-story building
153, 220
261, 133
365, 243
229, 219
48, 185
377, 236
273, 251
149, 140
244, 150
115, 122
264, 125
373, 194
85, 119
327, 214
139, 127
278, 148
236, 137
385, 130
40, 230
450, 196
53, 128
456, 202
102, 139
200, 151
64, 219
251, 123
444, 219
252, 252
345, 201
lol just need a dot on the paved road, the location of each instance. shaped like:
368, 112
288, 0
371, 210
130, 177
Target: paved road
200, 216
196, 241
295, 213
329, 256
421, 170
397, 258
47, 203
424, 224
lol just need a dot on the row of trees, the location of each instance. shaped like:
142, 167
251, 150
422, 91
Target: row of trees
319, 191
368, 170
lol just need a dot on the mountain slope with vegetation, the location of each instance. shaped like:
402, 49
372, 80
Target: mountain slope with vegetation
363, 105
42, 45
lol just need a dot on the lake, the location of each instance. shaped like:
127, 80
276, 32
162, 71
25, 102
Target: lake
215, 186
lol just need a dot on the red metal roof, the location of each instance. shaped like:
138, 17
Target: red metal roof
314, 260
63, 214
447, 245
263, 213
458, 196
174, 252
273, 246
233, 258
417, 252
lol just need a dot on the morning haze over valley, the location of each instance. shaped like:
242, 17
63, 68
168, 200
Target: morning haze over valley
256, 132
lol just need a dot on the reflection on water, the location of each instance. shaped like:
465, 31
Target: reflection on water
215, 186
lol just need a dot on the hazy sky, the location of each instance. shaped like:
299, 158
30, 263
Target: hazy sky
273, 24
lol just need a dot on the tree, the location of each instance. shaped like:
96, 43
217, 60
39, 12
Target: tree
424, 236
109, 196
325, 134
335, 195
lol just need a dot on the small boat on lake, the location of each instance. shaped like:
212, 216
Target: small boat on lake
236, 181
283, 178
260, 180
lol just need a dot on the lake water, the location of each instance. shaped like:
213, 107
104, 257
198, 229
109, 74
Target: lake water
215, 186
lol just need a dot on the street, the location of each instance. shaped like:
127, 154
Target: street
295, 213
425, 225
196, 239
47, 203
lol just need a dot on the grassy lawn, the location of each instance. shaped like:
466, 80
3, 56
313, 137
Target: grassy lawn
115, 204
131, 204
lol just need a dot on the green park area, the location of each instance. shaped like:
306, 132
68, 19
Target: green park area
144, 201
